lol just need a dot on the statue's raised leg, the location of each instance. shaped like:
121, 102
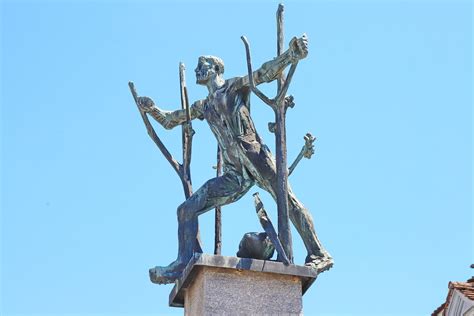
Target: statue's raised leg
218, 191
318, 258
263, 163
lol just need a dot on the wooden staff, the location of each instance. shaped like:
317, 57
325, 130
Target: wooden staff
218, 214
269, 229
183, 170
187, 141
151, 132
284, 230
187, 134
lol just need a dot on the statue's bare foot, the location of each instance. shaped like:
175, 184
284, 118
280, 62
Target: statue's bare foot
319, 263
166, 275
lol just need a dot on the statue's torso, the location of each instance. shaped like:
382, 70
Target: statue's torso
227, 114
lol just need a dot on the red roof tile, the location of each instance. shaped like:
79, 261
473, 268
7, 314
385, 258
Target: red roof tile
466, 288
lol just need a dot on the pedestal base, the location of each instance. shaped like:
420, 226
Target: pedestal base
216, 285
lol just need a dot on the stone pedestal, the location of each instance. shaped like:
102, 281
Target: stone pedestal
218, 285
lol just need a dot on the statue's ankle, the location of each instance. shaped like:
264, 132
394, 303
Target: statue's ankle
317, 256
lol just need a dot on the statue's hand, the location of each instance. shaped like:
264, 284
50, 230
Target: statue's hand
299, 48
308, 145
146, 104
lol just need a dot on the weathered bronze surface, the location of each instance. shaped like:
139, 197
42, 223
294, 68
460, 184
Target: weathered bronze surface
270, 230
245, 159
256, 246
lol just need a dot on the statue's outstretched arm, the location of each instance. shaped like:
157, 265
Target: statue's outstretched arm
270, 70
170, 119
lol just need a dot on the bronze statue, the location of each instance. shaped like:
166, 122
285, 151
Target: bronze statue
246, 159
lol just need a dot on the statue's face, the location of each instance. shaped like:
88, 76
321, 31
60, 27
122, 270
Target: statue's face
204, 72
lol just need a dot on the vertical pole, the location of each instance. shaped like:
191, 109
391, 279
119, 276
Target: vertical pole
284, 230
187, 141
186, 136
280, 40
218, 215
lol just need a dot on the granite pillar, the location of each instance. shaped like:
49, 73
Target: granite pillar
218, 285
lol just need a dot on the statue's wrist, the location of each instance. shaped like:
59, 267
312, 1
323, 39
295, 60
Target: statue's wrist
154, 109
293, 58
289, 57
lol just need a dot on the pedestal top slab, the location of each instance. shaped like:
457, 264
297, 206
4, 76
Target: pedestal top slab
176, 298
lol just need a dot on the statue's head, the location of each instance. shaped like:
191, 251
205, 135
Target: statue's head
208, 68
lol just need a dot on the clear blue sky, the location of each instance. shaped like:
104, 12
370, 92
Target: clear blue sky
88, 203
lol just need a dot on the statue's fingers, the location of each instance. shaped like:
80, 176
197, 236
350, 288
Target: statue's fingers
304, 50
303, 45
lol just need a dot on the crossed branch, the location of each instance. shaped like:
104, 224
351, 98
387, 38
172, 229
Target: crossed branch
279, 104
183, 170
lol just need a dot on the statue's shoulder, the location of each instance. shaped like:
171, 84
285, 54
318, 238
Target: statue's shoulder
230, 82
237, 83
199, 103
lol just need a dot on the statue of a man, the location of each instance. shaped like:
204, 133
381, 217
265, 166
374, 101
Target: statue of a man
246, 159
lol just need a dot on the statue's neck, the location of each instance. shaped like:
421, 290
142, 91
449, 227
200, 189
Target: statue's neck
216, 83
